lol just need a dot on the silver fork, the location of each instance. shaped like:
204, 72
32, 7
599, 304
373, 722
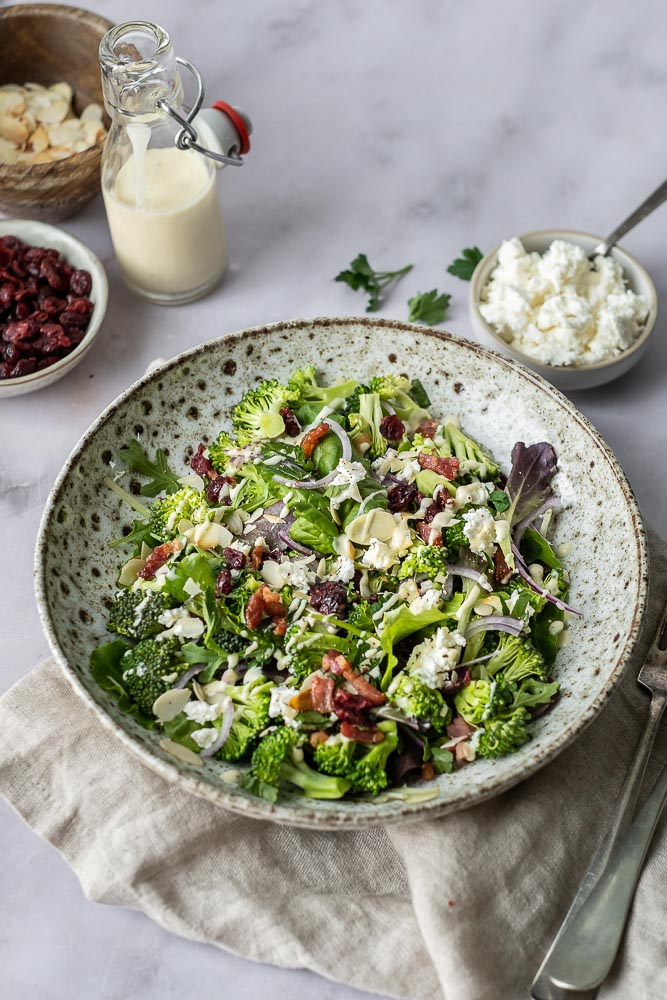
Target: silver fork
586, 944
647, 206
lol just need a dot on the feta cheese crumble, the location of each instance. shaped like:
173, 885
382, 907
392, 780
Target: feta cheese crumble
433, 659
378, 555
480, 530
559, 308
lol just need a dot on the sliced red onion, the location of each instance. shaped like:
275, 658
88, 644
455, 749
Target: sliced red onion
225, 729
523, 572
472, 574
518, 532
478, 659
388, 407
395, 714
316, 484
495, 623
284, 537
447, 588
189, 674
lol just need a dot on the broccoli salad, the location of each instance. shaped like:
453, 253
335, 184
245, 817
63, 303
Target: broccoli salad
345, 594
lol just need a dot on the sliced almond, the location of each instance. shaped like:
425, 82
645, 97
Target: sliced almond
14, 129
39, 140
8, 152
53, 112
92, 113
63, 89
58, 152
11, 99
170, 704
93, 131
64, 133
36, 88
180, 752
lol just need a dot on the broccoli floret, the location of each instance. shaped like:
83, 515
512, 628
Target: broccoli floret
395, 389
430, 560
526, 598
365, 426
532, 692
481, 700
363, 766
251, 716
255, 491
279, 758
420, 702
473, 459
360, 616
517, 659
352, 401
187, 503
144, 668
256, 416
305, 649
453, 538
505, 735
135, 613
229, 642
217, 452
335, 756
304, 383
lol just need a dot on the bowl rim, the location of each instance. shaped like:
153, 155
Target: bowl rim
99, 310
223, 795
476, 288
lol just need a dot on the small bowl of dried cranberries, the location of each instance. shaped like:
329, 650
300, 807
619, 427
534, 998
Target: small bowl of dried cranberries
53, 297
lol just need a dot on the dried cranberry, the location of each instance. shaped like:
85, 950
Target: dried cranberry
392, 428
68, 318
26, 366
19, 331
53, 275
51, 304
14, 352
80, 283
199, 462
292, 425
214, 489
401, 496
5, 369
234, 558
223, 584
83, 306
22, 310
350, 707
7, 291
329, 598
11, 242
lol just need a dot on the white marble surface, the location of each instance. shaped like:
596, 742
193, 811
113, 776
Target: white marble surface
405, 130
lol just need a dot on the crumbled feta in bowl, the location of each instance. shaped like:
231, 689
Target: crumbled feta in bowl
579, 323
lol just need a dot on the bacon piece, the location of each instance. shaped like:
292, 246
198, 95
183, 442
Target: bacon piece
501, 571
459, 727
280, 626
257, 557
264, 602
335, 663
447, 467
428, 771
427, 428
318, 737
366, 690
202, 465
158, 557
361, 735
254, 611
311, 438
322, 692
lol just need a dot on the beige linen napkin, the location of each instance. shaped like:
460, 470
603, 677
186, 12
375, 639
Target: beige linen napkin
460, 908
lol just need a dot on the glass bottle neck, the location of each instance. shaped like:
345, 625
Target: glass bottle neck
139, 69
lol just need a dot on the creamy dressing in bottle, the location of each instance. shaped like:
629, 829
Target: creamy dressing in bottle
165, 221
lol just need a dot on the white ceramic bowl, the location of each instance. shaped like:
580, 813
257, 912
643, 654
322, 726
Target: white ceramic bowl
40, 234
568, 378
499, 402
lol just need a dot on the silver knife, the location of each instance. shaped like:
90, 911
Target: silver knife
585, 946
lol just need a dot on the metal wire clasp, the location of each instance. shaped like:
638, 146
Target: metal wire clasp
187, 138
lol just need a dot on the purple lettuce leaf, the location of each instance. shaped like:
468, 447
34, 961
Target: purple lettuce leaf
529, 482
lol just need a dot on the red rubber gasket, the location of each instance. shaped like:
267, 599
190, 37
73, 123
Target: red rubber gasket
237, 122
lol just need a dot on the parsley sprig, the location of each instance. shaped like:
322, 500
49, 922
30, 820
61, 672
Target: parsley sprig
428, 307
464, 265
360, 275
162, 479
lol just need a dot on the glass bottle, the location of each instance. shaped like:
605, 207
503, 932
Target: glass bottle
161, 200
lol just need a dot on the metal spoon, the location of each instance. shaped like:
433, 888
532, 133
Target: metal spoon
646, 207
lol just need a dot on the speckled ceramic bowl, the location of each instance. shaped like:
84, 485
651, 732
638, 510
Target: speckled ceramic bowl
569, 378
189, 399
